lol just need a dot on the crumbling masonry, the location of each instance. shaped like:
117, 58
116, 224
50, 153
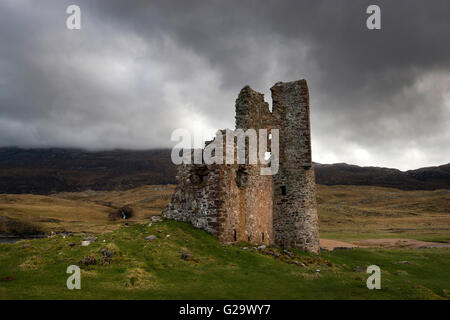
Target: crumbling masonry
235, 202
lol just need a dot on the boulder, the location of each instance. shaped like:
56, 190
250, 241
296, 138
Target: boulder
156, 219
151, 238
90, 238
89, 260
107, 253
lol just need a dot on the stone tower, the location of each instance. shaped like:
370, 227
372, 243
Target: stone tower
294, 198
235, 202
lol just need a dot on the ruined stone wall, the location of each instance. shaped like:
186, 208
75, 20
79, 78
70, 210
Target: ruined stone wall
197, 197
235, 202
259, 210
228, 201
246, 211
252, 112
232, 213
295, 212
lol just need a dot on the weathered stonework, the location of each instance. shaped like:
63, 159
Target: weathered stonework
295, 212
235, 202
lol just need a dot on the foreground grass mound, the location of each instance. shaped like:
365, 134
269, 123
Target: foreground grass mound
180, 262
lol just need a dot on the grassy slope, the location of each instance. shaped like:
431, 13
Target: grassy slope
154, 270
142, 270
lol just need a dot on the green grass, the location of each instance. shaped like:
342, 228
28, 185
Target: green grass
154, 270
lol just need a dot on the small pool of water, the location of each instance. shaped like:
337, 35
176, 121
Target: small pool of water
12, 240
9, 240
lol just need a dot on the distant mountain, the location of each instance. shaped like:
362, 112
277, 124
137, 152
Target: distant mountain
430, 178
44, 171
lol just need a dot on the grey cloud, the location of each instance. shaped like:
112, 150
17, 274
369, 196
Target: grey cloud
139, 69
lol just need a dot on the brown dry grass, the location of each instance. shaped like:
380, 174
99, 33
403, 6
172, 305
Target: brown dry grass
86, 211
345, 212
348, 212
32, 263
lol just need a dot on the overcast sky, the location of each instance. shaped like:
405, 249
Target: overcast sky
137, 70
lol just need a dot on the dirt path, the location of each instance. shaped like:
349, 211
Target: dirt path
333, 244
381, 243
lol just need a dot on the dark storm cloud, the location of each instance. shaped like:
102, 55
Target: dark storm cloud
139, 69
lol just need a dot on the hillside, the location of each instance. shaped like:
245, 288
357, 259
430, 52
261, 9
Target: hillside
181, 262
345, 212
429, 178
45, 171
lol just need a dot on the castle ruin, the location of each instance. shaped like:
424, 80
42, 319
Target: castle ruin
235, 202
